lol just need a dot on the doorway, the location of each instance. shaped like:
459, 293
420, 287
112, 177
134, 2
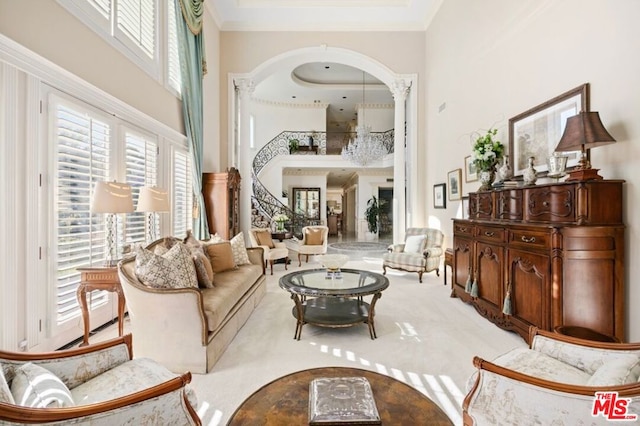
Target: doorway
385, 200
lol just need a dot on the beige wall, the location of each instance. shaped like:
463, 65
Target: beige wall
491, 60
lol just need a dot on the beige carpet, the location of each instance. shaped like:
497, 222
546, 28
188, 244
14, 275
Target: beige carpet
425, 338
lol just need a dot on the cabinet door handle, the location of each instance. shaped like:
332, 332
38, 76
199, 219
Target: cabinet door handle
489, 234
462, 229
528, 240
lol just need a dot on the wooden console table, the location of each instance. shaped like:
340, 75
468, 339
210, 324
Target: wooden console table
285, 401
99, 278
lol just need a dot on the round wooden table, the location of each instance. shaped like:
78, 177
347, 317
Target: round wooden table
285, 401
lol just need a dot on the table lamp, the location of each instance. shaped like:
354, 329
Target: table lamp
151, 200
111, 198
582, 132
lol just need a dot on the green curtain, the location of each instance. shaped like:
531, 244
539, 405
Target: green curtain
192, 68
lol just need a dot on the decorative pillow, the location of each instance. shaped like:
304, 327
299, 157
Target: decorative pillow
264, 238
214, 239
171, 241
160, 249
313, 237
192, 242
618, 371
36, 387
174, 269
240, 255
5, 392
204, 271
414, 244
221, 256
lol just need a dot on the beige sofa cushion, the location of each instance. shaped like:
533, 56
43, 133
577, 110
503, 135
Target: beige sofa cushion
221, 256
537, 364
230, 286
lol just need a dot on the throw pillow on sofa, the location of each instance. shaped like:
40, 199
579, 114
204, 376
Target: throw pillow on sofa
240, 256
204, 270
174, 269
221, 256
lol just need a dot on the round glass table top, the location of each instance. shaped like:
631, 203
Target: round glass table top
341, 283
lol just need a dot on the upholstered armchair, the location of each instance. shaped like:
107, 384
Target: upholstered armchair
314, 241
99, 384
273, 250
555, 381
421, 252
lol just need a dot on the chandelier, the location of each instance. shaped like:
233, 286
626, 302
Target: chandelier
364, 149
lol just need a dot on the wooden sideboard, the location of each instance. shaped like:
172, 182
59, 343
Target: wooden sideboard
547, 255
221, 193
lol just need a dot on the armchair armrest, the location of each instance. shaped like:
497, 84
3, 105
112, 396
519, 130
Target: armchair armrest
396, 248
433, 252
503, 396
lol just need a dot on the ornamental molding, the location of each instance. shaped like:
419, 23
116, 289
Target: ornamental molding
281, 104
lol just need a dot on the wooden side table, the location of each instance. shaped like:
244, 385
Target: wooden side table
99, 278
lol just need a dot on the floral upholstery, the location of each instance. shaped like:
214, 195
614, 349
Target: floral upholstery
560, 377
107, 387
426, 259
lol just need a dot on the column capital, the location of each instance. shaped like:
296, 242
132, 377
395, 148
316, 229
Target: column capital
400, 89
245, 86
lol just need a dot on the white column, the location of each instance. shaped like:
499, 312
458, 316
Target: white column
399, 90
245, 88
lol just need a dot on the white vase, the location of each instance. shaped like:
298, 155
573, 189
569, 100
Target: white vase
530, 174
486, 177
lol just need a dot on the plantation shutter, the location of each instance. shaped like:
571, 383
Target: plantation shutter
82, 157
141, 159
173, 59
103, 7
182, 194
136, 19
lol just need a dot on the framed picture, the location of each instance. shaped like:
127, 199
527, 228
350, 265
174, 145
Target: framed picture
470, 171
439, 198
454, 179
465, 207
536, 132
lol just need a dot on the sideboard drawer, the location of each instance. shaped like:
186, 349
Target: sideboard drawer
464, 228
526, 238
490, 234
550, 204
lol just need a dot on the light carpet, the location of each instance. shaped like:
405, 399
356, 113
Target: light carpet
425, 338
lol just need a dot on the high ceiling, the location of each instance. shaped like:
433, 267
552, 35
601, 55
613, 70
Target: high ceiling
323, 15
338, 86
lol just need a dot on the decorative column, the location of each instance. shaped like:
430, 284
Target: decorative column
399, 90
245, 88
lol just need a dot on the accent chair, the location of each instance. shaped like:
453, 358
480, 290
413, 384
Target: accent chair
421, 252
273, 250
314, 241
555, 381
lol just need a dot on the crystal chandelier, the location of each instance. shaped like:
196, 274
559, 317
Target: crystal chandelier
364, 149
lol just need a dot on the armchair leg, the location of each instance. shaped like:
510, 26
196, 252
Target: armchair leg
299, 261
438, 272
384, 269
420, 276
286, 261
271, 265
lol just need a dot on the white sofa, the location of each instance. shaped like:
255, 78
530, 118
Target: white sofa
552, 382
99, 384
188, 329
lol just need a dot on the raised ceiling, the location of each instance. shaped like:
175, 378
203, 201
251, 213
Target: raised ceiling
323, 15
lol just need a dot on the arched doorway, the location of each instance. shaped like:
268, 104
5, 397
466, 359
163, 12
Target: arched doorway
402, 86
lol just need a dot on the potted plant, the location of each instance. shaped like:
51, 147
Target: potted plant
372, 214
294, 145
487, 151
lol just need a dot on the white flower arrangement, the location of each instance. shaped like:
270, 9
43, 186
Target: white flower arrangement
280, 217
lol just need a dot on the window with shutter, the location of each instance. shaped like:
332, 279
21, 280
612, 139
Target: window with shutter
182, 193
173, 56
82, 157
141, 159
136, 20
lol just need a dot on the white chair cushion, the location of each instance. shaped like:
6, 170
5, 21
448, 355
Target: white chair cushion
414, 243
619, 371
36, 387
536, 364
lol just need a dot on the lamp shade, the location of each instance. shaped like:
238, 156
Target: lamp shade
111, 197
582, 132
152, 199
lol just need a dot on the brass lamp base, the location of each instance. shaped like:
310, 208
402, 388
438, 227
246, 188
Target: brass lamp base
583, 174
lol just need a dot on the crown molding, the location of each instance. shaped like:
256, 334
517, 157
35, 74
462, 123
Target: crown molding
319, 105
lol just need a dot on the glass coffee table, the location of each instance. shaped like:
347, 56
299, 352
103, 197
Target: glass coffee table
334, 298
